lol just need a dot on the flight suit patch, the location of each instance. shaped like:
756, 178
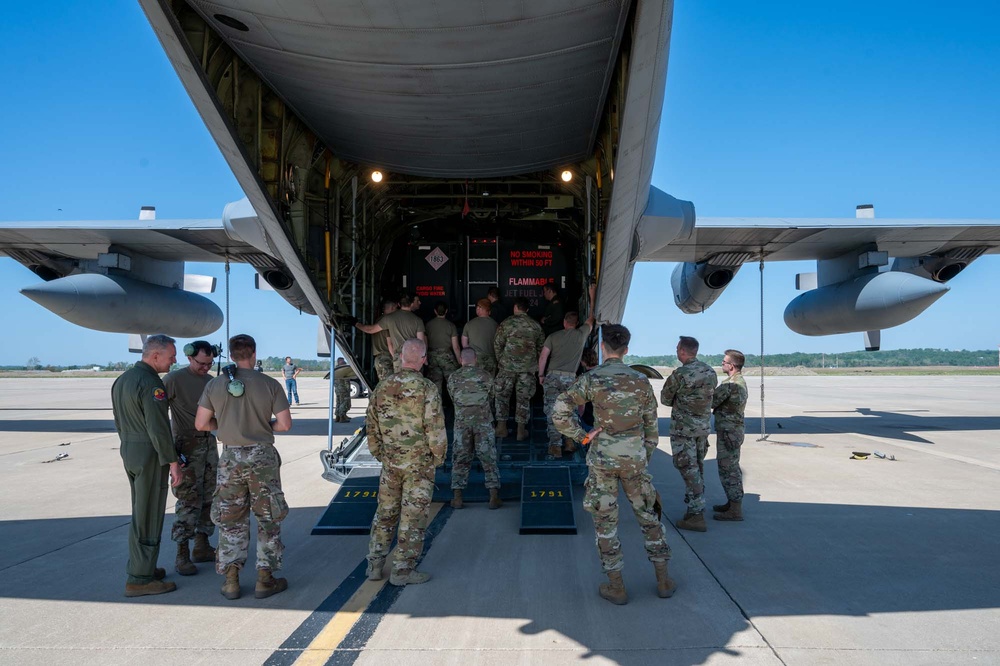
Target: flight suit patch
159, 394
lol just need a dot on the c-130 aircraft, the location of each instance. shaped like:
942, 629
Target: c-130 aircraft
443, 150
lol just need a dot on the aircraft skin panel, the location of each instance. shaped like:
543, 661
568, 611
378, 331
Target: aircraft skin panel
360, 14
439, 70
434, 44
636, 153
192, 78
795, 239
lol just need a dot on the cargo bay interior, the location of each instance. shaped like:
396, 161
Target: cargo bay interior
518, 207
366, 230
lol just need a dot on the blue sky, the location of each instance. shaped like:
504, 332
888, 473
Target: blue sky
772, 109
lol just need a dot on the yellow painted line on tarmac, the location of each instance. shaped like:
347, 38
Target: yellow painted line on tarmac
332, 635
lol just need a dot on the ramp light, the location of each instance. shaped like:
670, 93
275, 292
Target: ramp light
566, 176
376, 176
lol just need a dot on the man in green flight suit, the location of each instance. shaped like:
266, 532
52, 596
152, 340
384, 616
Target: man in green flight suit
139, 402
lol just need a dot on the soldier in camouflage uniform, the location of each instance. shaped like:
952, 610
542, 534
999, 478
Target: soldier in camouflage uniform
406, 434
380, 345
442, 347
624, 439
688, 392
517, 345
401, 324
728, 404
342, 390
193, 511
139, 402
557, 366
479, 334
469, 388
238, 404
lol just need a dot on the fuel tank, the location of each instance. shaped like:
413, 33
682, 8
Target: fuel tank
866, 303
121, 305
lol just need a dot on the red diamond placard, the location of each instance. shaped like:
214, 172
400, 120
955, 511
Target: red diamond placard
436, 258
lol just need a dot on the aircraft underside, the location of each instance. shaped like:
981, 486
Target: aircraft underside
444, 150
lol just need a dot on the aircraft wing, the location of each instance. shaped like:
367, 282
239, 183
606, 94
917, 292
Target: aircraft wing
792, 239
127, 276
164, 240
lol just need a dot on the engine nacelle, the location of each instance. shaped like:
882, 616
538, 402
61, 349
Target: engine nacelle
241, 223
697, 286
866, 303
939, 268
121, 305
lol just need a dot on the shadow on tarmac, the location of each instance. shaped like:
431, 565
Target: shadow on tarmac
786, 559
300, 426
901, 426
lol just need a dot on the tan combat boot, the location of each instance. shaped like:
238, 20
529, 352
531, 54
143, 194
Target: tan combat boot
694, 522
202, 551
502, 428
456, 501
408, 577
522, 432
152, 587
231, 588
495, 502
665, 585
268, 585
569, 444
555, 451
375, 567
721, 508
735, 512
614, 589
183, 564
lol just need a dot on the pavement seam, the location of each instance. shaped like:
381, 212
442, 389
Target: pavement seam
301, 639
722, 587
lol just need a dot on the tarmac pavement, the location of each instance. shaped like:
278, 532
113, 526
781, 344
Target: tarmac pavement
839, 561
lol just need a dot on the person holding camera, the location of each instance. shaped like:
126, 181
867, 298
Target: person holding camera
199, 458
238, 404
